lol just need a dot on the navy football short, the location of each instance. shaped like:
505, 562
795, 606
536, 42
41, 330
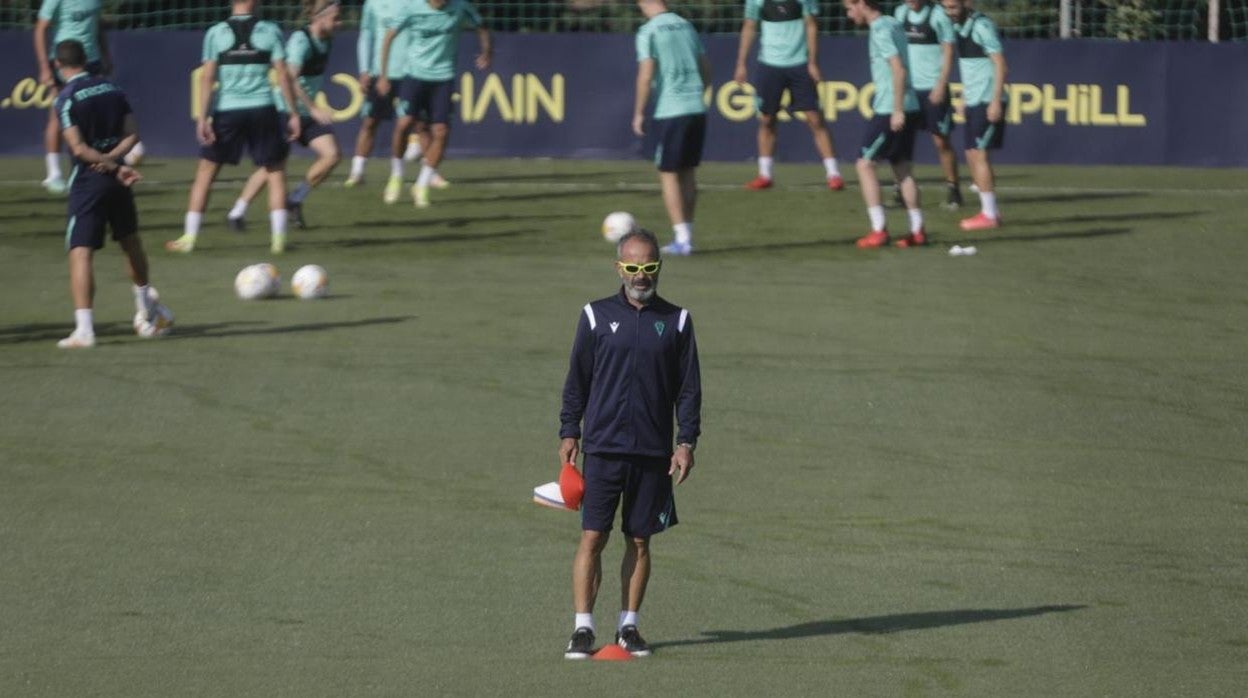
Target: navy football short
427, 97
641, 483
93, 68
259, 130
376, 106
680, 142
96, 200
770, 83
309, 129
880, 142
982, 134
937, 118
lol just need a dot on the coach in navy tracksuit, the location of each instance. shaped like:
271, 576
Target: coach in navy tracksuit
634, 365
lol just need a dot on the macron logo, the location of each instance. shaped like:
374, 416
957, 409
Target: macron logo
614, 326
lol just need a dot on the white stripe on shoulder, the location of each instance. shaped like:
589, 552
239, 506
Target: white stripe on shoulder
684, 315
589, 313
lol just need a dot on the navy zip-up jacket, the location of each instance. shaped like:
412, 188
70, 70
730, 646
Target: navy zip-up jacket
631, 370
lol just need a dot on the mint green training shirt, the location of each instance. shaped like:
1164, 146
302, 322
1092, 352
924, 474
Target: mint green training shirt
887, 40
298, 52
672, 42
977, 39
243, 86
433, 40
934, 31
77, 20
781, 30
375, 18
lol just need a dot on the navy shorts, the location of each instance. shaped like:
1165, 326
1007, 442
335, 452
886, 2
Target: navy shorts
94, 201
641, 482
937, 118
93, 68
419, 98
770, 83
982, 134
880, 142
309, 129
680, 142
260, 130
376, 106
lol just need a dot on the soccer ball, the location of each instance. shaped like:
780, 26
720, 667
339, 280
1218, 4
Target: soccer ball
155, 324
135, 156
257, 281
310, 282
618, 224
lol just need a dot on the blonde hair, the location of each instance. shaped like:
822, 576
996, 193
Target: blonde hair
312, 8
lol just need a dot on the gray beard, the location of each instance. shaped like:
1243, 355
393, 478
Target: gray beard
639, 295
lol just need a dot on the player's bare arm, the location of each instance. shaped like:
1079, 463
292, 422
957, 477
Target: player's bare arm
288, 86
937, 95
897, 120
749, 29
812, 48
645, 74
130, 137
383, 80
321, 116
41, 52
203, 120
486, 42
998, 86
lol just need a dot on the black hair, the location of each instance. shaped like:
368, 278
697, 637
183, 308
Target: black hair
639, 233
71, 54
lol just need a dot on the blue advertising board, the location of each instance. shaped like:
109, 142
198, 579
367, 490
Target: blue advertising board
570, 95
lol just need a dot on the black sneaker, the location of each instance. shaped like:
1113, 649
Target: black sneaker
630, 640
295, 209
581, 646
238, 225
953, 197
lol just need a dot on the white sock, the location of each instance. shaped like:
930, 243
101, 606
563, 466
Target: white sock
277, 221
357, 165
627, 618
239, 210
53, 161
829, 167
988, 202
764, 167
916, 219
396, 167
876, 214
143, 299
684, 233
426, 176
413, 149
84, 321
193, 220
583, 620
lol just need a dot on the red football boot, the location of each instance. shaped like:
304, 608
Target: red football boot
758, 183
873, 240
916, 239
980, 221
836, 183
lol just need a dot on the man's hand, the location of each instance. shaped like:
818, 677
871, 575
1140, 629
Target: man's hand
897, 121
45, 74
105, 166
295, 126
639, 121
128, 175
937, 95
682, 464
483, 61
203, 131
740, 75
815, 73
568, 450
383, 85
365, 81
322, 116
994, 111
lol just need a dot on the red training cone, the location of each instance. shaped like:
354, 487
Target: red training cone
571, 486
613, 653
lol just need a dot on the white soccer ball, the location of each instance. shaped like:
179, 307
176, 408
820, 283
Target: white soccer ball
135, 156
310, 281
158, 323
257, 281
618, 224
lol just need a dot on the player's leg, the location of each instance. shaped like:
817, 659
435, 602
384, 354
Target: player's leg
634, 577
903, 173
82, 292
648, 508
235, 218
422, 136
982, 136
949, 168
604, 484
197, 202
876, 144
394, 186
55, 180
363, 148
84, 234
319, 138
679, 153
434, 99
804, 101
769, 89
275, 174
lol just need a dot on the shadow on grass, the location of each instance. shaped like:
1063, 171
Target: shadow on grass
461, 221
240, 329
534, 177
1068, 197
873, 625
53, 331
1106, 218
416, 239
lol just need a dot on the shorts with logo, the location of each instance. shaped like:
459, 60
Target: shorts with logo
982, 134
93, 68
427, 98
640, 483
309, 129
258, 129
376, 106
680, 142
770, 83
937, 118
881, 142
96, 200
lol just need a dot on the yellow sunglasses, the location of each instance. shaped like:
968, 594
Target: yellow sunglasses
634, 269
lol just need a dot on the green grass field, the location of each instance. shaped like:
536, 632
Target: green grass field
1021, 473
